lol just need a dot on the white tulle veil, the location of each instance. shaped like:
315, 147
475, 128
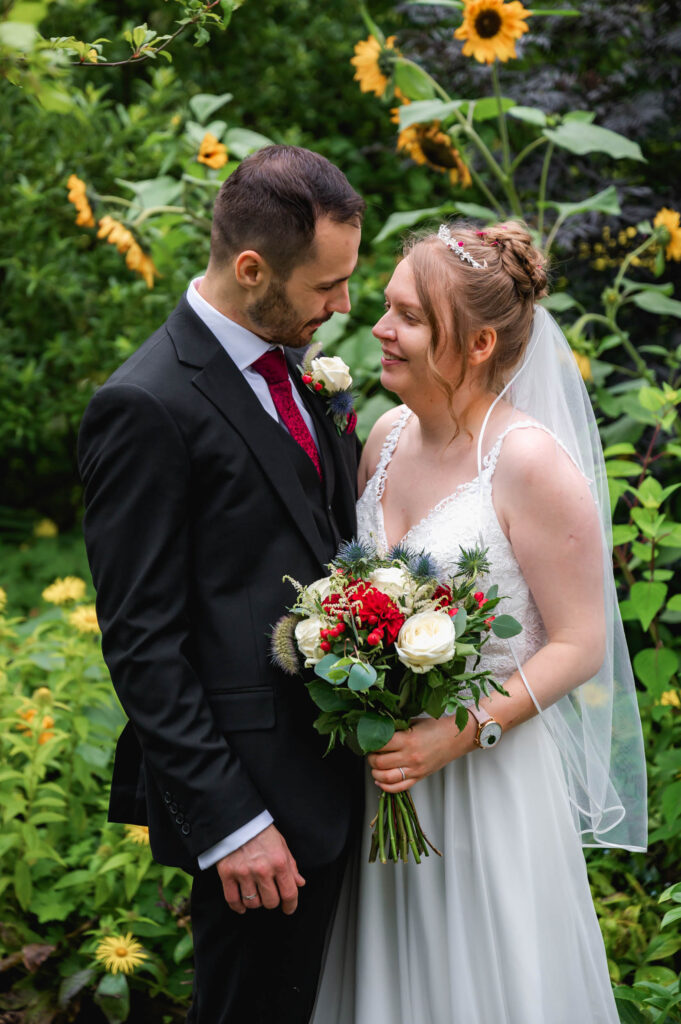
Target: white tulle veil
596, 727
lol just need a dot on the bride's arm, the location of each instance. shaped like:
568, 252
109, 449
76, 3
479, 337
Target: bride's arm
546, 510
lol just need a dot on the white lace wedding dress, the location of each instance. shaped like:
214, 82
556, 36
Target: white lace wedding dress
501, 929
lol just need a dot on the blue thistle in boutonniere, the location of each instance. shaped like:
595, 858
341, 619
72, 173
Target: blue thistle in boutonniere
329, 377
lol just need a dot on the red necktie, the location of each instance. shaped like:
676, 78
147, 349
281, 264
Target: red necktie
272, 366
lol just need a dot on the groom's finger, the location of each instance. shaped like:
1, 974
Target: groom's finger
232, 895
288, 883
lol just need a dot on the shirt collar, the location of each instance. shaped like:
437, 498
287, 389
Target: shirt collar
240, 344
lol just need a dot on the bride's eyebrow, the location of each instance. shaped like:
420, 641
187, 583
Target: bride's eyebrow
402, 305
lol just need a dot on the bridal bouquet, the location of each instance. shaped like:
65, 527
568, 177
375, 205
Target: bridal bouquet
388, 641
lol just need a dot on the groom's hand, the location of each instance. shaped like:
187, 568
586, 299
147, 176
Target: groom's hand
263, 869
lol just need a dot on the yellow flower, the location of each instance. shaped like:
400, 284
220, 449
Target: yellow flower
45, 528
118, 235
669, 219
403, 100
71, 588
46, 733
584, 364
143, 264
77, 196
490, 28
371, 60
426, 144
137, 834
212, 152
43, 695
120, 953
670, 699
92, 55
3, 599
85, 619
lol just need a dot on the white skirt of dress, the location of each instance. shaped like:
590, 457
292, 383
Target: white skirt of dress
499, 930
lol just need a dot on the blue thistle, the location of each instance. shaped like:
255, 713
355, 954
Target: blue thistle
401, 553
423, 567
341, 404
356, 556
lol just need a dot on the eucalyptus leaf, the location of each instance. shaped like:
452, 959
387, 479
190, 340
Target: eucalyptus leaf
505, 626
322, 667
362, 677
581, 138
460, 620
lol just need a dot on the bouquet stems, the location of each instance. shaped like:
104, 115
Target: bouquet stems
397, 830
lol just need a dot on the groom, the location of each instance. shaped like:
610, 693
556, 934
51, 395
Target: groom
210, 472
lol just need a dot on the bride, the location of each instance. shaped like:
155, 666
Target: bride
495, 444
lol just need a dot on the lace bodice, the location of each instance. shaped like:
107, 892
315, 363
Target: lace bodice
462, 519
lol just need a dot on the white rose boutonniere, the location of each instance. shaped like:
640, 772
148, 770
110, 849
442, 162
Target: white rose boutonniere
425, 640
330, 377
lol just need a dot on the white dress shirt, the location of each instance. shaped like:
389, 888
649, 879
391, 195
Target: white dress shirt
243, 347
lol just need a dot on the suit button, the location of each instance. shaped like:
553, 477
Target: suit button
179, 819
167, 797
186, 829
173, 808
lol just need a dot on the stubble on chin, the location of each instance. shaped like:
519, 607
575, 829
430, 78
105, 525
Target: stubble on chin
275, 320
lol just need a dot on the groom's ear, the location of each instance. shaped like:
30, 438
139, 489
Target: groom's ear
481, 346
251, 270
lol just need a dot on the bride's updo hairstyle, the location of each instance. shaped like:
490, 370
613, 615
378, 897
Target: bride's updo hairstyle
459, 297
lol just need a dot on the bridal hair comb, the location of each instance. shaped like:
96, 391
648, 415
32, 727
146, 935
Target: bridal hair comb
445, 235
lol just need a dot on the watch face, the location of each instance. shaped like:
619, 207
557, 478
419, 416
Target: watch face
490, 734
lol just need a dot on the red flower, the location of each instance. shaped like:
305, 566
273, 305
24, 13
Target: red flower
352, 422
375, 610
443, 596
479, 597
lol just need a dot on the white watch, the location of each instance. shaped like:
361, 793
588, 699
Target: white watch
489, 731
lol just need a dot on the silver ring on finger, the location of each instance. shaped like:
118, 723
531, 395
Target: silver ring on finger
401, 771
253, 896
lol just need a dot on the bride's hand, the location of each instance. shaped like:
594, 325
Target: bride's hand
426, 747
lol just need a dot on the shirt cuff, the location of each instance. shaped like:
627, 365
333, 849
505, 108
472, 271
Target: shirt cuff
233, 841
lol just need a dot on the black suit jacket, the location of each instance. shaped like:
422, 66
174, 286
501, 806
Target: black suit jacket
196, 507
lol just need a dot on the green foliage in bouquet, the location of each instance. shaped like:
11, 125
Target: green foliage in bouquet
87, 917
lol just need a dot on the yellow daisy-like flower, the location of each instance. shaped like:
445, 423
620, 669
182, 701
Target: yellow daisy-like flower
584, 364
71, 588
120, 953
85, 619
77, 195
45, 528
426, 144
373, 64
669, 219
3, 599
211, 152
490, 28
670, 699
137, 834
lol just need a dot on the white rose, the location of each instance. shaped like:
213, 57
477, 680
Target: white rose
308, 640
332, 372
320, 589
425, 640
395, 582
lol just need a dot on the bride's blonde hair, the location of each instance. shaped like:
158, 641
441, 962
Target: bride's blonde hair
458, 298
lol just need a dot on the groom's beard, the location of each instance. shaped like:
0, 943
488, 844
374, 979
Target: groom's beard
279, 322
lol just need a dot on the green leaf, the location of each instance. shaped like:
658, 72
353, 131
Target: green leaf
620, 467
322, 667
183, 948
407, 218
79, 878
486, 109
362, 677
670, 917
412, 81
161, 191
559, 302
461, 717
603, 202
656, 667
72, 985
425, 111
628, 1013
647, 599
530, 115
460, 621
241, 142
23, 886
113, 998
578, 137
476, 211
505, 626
674, 603
116, 861
374, 731
204, 105
625, 448
623, 534
663, 946
656, 302
326, 696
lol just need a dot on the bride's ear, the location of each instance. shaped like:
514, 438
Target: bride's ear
481, 345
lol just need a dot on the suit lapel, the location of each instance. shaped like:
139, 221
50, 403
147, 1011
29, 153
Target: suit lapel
222, 383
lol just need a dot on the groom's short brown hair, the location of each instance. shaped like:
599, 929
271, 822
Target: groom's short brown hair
271, 203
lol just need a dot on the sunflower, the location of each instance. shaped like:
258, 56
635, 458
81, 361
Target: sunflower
120, 953
373, 64
669, 219
138, 834
211, 152
71, 588
426, 144
584, 365
85, 619
77, 195
670, 699
490, 28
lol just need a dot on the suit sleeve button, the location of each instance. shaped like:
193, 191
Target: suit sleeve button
186, 829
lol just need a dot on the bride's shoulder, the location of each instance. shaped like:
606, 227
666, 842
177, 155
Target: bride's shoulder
533, 466
378, 436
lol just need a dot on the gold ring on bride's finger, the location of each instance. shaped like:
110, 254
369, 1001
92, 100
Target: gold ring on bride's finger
401, 771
